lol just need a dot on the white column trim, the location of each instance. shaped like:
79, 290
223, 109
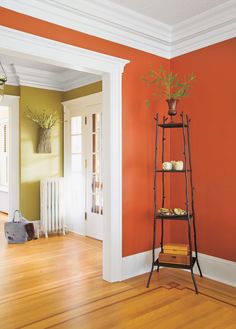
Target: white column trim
112, 113
32, 47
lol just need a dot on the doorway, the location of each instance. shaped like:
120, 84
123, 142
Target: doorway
83, 165
110, 68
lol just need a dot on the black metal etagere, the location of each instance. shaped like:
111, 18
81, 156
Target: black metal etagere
189, 190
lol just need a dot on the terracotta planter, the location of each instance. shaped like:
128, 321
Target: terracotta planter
44, 141
172, 103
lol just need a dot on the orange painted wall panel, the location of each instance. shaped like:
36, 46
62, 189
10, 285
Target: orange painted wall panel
212, 109
213, 114
138, 124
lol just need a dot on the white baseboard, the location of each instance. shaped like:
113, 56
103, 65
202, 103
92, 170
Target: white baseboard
217, 269
75, 232
214, 268
137, 264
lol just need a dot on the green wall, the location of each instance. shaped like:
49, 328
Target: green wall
35, 166
93, 88
12, 90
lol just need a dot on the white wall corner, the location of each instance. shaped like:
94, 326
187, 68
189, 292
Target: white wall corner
214, 268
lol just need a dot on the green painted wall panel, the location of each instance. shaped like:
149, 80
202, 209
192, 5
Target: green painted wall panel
93, 88
12, 90
35, 166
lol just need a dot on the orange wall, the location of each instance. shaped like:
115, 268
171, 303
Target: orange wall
138, 124
213, 112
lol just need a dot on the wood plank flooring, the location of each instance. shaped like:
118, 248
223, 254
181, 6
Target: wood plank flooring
3, 216
57, 283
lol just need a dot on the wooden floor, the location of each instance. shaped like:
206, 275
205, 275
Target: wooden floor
57, 283
3, 216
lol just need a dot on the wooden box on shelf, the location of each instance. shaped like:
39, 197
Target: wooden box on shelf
174, 259
178, 249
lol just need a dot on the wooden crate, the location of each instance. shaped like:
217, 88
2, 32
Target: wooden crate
174, 259
178, 249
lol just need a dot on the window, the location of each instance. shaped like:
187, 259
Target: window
76, 144
4, 154
97, 186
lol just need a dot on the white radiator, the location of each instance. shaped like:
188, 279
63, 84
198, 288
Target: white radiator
52, 214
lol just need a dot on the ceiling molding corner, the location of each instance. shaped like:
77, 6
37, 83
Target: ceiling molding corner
215, 25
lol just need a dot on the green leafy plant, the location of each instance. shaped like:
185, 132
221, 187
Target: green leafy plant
167, 84
43, 119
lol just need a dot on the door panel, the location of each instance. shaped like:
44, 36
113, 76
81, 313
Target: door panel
75, 177
83, 171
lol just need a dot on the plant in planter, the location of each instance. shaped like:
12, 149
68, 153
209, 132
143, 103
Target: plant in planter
169, 85
45, 122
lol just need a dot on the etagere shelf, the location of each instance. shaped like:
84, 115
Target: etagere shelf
189, 215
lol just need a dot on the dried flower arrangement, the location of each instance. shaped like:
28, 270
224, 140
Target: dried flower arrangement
43, 119
45, 122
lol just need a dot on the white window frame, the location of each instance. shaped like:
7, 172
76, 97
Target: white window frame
110, 68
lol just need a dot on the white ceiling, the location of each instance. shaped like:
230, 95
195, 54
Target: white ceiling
169, 12
30, 73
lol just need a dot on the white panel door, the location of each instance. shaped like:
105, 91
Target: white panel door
83, 172
75, 180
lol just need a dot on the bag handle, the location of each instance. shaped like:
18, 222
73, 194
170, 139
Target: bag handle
20, 217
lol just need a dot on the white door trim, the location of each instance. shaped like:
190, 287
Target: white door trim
111, 68
13, 188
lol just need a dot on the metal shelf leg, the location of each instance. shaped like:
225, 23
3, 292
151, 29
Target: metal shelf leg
194, 282
150, 276
198, 266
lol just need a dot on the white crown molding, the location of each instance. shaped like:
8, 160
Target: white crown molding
68, 80
213, 26
101, 19
72, 84
12, 78
109, 21
14, 42
37, 78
